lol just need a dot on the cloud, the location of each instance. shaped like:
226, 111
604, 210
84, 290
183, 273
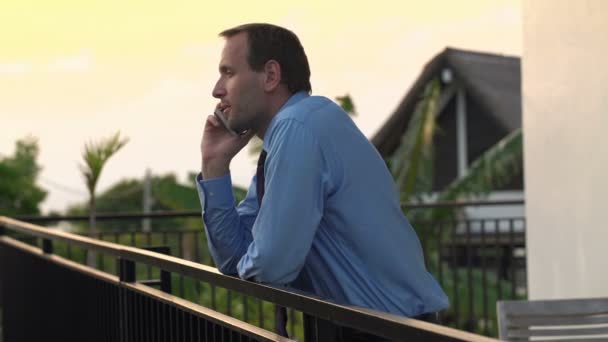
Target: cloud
77, 63
15, 68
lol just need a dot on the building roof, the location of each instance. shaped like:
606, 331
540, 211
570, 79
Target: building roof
492, 81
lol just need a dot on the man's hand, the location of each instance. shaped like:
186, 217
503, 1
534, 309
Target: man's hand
218, 147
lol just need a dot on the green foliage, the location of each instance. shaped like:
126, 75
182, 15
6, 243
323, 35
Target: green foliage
346, 102
412, 162
95, 156
475, 300
19, 193
167, 193
412, 168
493, 169
127, 196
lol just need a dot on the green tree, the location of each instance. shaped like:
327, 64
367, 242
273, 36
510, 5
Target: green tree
95, 156
412, 162
19, 193
346, 102
413, 170
168, 194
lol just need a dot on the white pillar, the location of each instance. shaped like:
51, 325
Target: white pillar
565, 122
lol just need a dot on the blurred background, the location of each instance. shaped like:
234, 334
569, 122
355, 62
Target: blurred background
444, 90
72, 72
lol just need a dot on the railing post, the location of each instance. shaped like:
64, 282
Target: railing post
165, 281
165, 276
2, 269
319, 330
126, 273
126, 270
47, 246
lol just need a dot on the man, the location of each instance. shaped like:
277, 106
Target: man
322, 213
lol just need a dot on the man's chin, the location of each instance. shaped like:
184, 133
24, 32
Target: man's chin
239, 128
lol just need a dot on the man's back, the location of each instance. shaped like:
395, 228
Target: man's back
364, 251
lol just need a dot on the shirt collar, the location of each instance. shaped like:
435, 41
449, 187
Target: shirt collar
295, 98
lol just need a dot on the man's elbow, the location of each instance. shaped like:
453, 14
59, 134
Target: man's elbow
276, 272
227, 268
225, 264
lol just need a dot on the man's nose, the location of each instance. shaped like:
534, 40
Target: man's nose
218, 91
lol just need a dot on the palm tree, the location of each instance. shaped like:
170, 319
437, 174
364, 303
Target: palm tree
95, 156
346, 102
413, 169
412, 162
494, 168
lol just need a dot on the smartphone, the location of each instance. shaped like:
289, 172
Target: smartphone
220, 116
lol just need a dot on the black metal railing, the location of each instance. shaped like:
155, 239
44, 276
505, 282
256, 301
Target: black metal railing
478, 260
46, 296
476, 250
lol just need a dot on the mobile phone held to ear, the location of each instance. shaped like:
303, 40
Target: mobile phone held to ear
220, 116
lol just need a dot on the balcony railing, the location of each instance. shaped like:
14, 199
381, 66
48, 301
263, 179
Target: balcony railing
46, 296
477, 253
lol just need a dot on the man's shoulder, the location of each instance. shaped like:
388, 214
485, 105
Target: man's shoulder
307, 106
310, 110
317, 115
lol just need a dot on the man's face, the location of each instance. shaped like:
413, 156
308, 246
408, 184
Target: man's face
239, 88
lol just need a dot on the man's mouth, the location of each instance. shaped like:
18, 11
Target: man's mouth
223, 105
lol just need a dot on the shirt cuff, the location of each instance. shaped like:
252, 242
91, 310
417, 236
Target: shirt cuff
215, 192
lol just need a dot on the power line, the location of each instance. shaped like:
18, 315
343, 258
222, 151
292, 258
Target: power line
64, 188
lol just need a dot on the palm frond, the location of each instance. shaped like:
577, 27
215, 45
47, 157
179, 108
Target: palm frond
95, 156
346, 102
493, 169
412, 162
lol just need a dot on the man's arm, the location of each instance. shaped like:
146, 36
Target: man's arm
296, 183
228, 234
228, 228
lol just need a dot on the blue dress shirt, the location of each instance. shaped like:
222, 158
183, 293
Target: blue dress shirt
330, 222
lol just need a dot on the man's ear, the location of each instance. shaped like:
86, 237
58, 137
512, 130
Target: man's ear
272, 70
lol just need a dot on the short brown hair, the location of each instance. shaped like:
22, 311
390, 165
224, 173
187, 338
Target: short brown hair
271, 42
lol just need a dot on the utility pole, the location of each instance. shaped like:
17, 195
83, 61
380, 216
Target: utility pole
147, 200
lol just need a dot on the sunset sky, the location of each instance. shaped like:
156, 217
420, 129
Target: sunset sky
72, 71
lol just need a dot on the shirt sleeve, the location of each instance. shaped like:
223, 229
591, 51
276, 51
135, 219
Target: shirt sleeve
291, 209
228, 228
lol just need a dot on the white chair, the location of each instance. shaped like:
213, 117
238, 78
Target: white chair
553, 320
